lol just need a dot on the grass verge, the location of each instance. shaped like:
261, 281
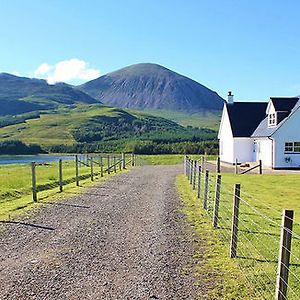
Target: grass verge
216, 271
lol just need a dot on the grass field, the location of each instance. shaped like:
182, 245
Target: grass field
261, 202
15, 184
205, 119
167, 159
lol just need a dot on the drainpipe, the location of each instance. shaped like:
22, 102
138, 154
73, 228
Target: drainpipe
272, 151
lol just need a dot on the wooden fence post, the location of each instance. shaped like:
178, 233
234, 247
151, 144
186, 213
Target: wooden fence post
284, 255
235, 220
115, 166
33, 177
76, 170
92, 168
218, 165
199, 182
217, 202
120, 163
101, 166
188, 168
123, 161
108, 164
236, 166
202, 164
205, 198
194, 175
60, 173
191, 171
260, 166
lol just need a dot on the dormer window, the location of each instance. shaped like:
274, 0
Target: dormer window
272, 120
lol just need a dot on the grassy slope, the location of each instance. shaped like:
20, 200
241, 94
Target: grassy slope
206, 119
54, 128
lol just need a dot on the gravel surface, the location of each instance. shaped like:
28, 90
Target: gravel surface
122, 239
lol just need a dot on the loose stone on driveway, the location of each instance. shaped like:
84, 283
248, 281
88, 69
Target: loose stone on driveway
122, 239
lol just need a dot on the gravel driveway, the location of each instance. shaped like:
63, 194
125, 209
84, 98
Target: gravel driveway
122, 239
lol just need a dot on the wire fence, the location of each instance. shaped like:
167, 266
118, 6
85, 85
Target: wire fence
23, 184
264, 241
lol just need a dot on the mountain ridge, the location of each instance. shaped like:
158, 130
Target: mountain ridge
23, 94
152, 86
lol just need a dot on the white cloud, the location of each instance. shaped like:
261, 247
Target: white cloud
66, 71
43, 69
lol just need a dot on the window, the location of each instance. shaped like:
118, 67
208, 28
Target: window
292, 147
272, 119
288, 147
297, 147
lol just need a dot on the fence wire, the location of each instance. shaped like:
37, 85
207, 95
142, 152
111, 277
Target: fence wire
258, 235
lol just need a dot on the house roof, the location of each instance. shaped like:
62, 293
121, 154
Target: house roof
263, 130
245, 117
284, 104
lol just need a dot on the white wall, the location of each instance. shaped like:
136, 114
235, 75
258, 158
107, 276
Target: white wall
243, 150
263, 151
225, 138
288, 132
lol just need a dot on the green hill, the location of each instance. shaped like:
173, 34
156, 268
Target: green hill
208, 119
101, 128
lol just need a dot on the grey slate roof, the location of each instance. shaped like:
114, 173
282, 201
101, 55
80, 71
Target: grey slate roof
263, 130
245, 117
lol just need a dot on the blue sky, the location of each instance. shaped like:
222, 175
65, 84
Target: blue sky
250, 47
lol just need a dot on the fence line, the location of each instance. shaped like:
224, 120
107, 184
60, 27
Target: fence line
267, 251
81, 168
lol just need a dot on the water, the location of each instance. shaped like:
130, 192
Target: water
24, 159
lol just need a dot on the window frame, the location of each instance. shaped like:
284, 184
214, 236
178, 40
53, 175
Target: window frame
272, 119
290, 147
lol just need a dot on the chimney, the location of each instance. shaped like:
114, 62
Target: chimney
230, 98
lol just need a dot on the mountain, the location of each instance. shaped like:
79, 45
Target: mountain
151, 86
20, 95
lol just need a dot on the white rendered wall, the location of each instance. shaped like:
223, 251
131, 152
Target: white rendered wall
288, 132
264, 151
243, 150
225, 138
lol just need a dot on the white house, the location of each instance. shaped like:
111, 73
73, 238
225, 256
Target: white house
267, 131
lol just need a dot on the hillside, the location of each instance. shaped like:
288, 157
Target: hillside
101, 128
151, 86
21, 95
205, 119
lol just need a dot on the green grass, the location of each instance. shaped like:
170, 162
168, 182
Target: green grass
215, 271
55, 127
262, 199
166, 159
201, 119
15, 184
